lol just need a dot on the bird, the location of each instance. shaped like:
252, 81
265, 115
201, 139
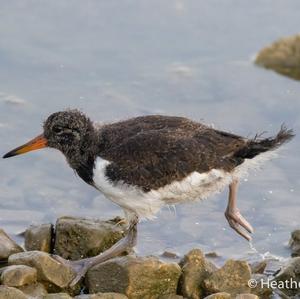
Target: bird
147, 162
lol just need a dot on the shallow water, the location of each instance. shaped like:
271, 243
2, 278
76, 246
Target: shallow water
117, 59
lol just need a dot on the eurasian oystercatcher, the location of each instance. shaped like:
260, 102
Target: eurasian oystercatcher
147, 162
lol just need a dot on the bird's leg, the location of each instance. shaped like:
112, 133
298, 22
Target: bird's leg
233, 215
123, 245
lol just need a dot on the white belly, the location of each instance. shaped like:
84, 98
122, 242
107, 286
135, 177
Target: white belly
147, 204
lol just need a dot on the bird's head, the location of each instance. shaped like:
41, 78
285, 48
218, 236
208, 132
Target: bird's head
69, 131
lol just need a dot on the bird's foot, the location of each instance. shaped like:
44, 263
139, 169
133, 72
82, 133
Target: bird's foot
79, 267
239, 223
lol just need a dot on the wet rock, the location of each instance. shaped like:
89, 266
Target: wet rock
48, 269
246, 296
232, 278
7, 246
283, 56
261, 289
39, 237
258, 267
77, 238
58, 296
290, 272
220, 295
142, 277
11, 293
102, 296
294, 243
212, 254
169, 254
195, 269
36, 290
19, 275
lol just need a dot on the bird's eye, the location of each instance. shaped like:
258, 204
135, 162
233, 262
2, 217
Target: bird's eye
57, 129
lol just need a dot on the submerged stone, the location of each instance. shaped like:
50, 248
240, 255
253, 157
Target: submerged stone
77, 238
283, 56
142, 277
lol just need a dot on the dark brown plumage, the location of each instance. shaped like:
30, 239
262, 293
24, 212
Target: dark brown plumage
153, 151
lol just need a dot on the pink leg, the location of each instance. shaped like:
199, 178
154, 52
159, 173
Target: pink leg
233, 215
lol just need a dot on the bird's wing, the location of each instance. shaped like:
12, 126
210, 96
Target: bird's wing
154, 158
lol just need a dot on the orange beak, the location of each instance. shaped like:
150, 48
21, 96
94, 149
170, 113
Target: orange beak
34, 144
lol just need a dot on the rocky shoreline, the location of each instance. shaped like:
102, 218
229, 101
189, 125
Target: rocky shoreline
33, 272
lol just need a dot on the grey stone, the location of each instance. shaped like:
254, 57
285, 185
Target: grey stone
39, 237
18, 275
142, 277
7, 246
77, 238
290, 272
11, 293
232, 278
283, 56
195, 269
48, 269
294, 243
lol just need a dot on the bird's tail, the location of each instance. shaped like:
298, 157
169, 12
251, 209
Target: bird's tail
259, 145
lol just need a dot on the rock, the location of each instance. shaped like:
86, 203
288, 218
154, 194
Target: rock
39, 237
294, 243
142, 277
258, 267
283, 56
102, 296
211, 254
169, 254
261, 289
289, 272
195, 268
57, 296
7, 246
221, 295
246, 296
11, 293
48, 269
232, 278
171, 296
77, 238
19, 275
36, 290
